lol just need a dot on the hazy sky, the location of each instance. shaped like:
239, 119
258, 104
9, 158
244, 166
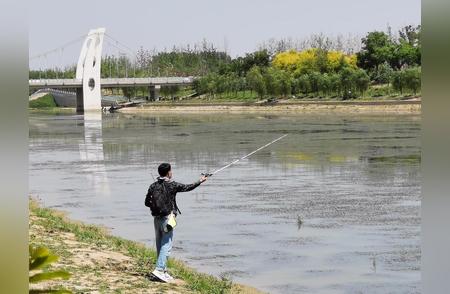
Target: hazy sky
243, 24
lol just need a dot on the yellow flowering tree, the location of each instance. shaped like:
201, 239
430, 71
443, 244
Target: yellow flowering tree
310, 60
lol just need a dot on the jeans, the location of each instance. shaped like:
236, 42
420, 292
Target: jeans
163, 242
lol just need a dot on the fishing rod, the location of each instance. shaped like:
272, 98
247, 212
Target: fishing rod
237, 160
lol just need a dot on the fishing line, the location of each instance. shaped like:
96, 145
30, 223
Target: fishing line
243, 157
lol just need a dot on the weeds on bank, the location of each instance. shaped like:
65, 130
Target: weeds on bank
145, 258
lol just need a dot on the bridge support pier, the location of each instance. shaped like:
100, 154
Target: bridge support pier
80, 100
88, 70
153, 92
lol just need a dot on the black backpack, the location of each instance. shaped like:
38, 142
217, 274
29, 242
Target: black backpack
158, 200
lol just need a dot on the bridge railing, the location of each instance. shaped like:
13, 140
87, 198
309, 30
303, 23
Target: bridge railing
112, 82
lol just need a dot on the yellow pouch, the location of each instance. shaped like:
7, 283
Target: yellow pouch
172, 221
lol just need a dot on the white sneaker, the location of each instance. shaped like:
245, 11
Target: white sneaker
160, 275
168, 277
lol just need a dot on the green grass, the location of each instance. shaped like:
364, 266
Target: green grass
375, 92
144, 256
239, 96
46, 101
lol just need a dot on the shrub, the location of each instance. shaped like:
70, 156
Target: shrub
45, 101
398, 81
412, 78
303, 85
361, 80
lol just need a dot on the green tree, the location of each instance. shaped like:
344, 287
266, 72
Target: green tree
335, 83
383, 74
314, 80
361, 81
412, 78
325, 84
398, 81
347, 83
377, 48
127, 92
258, 58
411, 35
302, 84
256, 81
278, 82
322, 60
286, 83
405, 54
170, 91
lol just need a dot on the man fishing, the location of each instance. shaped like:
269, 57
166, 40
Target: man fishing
161, 198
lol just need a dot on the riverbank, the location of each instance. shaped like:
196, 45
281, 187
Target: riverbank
102, 263
412, 106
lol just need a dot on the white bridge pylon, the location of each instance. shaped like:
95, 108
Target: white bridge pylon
88, 71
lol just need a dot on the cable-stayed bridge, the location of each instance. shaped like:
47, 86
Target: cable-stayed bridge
88, 82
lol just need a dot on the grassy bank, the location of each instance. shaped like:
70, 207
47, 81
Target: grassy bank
46, 101
102, 263
373, 93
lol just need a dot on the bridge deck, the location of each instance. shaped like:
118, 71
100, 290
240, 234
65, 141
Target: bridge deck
111, 82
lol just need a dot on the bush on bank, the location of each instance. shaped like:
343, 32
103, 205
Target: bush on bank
46, 101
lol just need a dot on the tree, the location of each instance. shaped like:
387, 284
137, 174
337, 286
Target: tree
377, 48
398, 81
314, 79
170, 91
127, 92
405, 54
347, 83
311, 60
259, 58
411, 35
325, 84
361, 81
321, 60
286, 83
256, 81
335, 83
383, 74
412, 78
273, 81
303, 84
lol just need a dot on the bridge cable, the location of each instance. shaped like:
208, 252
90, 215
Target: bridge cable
57, 48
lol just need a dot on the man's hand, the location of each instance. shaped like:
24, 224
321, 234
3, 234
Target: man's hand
203, 178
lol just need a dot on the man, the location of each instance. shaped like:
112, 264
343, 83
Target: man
161, 198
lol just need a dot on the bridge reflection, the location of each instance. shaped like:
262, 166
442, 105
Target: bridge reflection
91, 154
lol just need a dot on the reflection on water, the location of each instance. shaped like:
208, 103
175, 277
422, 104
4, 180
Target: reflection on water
332, 208
91, 154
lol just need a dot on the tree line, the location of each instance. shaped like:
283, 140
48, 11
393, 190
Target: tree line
323, 71
319, 66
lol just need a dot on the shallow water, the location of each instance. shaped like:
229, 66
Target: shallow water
332, 208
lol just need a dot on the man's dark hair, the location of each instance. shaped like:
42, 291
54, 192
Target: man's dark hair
164, 169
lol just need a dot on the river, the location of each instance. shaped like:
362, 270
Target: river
332, 208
